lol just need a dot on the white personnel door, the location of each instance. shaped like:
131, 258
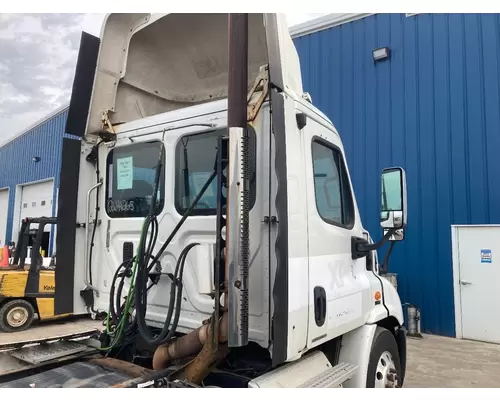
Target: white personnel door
479, 281
4, 210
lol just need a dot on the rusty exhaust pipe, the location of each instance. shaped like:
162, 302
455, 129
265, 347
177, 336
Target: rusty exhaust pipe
187, 345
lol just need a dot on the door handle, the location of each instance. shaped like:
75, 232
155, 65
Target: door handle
465, 283
319, 305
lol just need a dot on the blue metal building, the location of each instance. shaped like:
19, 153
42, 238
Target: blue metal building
32, 161
432, 107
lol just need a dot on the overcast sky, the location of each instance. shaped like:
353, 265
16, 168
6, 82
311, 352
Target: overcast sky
37, 63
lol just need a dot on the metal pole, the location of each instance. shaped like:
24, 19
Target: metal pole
237, 221
238, 71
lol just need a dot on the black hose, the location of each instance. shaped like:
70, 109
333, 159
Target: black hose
115, 293
96, 219
118, 299
114, 301
144, 253
175, 303
186, 214
181, 262
149, 236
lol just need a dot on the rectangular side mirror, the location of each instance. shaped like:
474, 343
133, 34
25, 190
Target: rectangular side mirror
393, 206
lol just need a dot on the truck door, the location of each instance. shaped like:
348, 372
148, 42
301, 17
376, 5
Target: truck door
338, 286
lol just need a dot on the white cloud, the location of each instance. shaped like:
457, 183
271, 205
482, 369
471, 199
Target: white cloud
6, 90
38, 55
37, 61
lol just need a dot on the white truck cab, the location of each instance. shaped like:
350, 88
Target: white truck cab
312, 301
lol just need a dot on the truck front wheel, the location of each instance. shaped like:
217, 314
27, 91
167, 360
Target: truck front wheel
384, 369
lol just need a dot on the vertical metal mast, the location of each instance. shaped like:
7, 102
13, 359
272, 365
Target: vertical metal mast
237, 212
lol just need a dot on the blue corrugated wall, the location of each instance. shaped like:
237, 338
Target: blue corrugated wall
16, 166
432, 108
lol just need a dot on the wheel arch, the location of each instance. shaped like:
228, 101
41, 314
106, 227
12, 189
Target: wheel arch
357, 345
355, 349
390, 323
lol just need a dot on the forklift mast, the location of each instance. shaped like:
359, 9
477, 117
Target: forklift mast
22, 249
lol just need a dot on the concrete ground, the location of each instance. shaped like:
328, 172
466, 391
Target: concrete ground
41, 330
439, 362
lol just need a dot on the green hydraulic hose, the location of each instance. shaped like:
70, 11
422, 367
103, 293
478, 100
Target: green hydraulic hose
118, 331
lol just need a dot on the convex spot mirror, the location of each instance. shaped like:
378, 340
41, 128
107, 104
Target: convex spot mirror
393, 205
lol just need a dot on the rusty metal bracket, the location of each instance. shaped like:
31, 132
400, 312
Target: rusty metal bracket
106, 123
261, 85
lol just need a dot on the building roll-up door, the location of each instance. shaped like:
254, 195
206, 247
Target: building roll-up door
36, 201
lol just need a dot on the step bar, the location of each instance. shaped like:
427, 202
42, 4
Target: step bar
312, 371
333, 377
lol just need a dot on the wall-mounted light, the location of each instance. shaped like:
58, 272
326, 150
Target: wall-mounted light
35, 159
381, 54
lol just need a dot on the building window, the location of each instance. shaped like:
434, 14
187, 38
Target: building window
42, 203
33, 204
25, 205
195, 157
130, 180
331, 185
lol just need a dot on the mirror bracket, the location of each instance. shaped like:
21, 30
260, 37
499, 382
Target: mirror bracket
360, 246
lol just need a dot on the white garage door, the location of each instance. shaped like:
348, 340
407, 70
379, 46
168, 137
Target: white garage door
36, 201
4, 209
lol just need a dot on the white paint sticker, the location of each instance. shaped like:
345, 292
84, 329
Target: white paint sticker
125, 173
486, 256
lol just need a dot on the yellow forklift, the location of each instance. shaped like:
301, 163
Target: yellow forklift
26, 290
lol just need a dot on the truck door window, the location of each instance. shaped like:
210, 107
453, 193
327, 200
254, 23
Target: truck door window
331, 187
194, 163
130, 180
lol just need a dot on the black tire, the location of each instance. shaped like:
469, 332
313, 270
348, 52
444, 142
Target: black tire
383, 341
6, 325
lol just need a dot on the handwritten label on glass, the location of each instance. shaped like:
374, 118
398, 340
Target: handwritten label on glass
125, 173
